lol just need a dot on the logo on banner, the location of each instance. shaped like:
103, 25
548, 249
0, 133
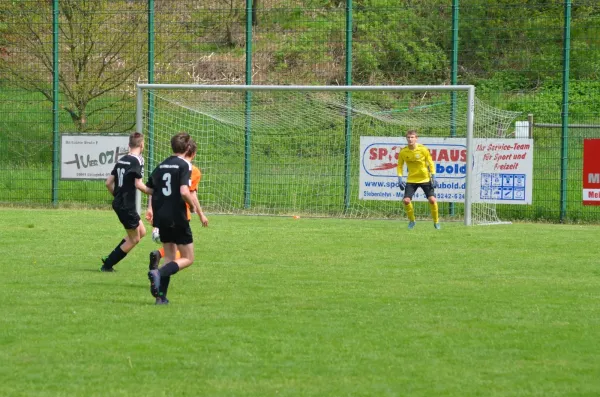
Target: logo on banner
381, 159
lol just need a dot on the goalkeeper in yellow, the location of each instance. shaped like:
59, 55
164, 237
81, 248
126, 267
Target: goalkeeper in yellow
421, 174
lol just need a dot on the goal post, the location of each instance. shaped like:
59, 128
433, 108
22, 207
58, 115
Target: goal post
286, 150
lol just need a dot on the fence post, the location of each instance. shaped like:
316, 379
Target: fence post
55, 90
453, 78
565, 113
348, 115
150, 81
248, 105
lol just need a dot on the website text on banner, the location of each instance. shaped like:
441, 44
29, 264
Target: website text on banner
503, 169
591, 172
86, 156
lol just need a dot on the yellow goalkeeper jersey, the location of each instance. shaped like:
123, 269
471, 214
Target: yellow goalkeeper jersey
419, 163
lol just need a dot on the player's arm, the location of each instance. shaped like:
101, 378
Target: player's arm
110, 184
187, 196
149, 212
198, 209
431, 167
192, 201
142, 187
399, 169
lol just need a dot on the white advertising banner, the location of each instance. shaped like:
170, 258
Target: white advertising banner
85, 156
504, 169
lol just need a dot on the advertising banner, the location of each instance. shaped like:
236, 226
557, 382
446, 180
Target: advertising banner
85, 156
591, 172
503, 169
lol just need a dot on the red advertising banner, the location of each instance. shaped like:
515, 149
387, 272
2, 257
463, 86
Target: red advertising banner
591, 172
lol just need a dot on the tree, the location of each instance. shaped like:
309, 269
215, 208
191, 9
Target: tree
101, 48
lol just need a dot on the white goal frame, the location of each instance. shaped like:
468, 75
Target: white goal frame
470, 90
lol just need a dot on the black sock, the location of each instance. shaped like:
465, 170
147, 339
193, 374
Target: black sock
164, 286
120, 244
114, 257
169, 269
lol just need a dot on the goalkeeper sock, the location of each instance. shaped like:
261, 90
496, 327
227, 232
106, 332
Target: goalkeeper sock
169, 269
114, 257
435, 213
410, 211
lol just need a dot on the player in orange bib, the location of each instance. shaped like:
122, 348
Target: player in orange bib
196, 176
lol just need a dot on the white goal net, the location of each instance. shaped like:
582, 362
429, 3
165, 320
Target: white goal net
272, 150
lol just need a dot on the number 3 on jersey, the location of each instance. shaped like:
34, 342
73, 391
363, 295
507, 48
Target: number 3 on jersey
167, 189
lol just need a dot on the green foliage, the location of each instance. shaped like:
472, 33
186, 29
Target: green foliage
99, 49
398, 44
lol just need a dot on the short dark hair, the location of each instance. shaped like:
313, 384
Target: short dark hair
136, 139
192, 148
180, 142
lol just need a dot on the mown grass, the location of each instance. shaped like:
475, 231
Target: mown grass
311, 307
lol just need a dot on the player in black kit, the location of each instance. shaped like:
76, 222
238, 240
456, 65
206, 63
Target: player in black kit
122, 183
170, 182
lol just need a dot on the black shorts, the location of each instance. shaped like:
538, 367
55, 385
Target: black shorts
411, 188
128, 217
178, 234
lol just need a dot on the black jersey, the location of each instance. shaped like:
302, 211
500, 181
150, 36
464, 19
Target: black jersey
167, 203
127, 169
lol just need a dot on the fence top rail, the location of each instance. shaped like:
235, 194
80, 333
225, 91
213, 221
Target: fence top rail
553, 125
307, 88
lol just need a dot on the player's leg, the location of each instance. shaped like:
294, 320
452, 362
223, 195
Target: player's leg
187, 255
109, 267
409, 192
134, 236
169, 252
157, 255
173, 264
104, 267
155, 258
433, 205
135, 231
167, 238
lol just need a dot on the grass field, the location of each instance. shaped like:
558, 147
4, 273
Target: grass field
306, 307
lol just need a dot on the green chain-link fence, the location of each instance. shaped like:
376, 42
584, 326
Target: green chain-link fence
71, 66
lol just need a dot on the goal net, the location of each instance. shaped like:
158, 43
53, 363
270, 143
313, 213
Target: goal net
323, 151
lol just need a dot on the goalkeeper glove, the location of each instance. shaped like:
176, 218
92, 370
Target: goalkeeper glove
401, 183
434, 183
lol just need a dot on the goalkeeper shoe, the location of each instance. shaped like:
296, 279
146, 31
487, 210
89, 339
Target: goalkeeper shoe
154, 259
162, 300
437, 226
154, 277
411, 225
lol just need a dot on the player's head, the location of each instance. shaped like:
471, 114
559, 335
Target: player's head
192, 149
136, 140
180, 142
411, 137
